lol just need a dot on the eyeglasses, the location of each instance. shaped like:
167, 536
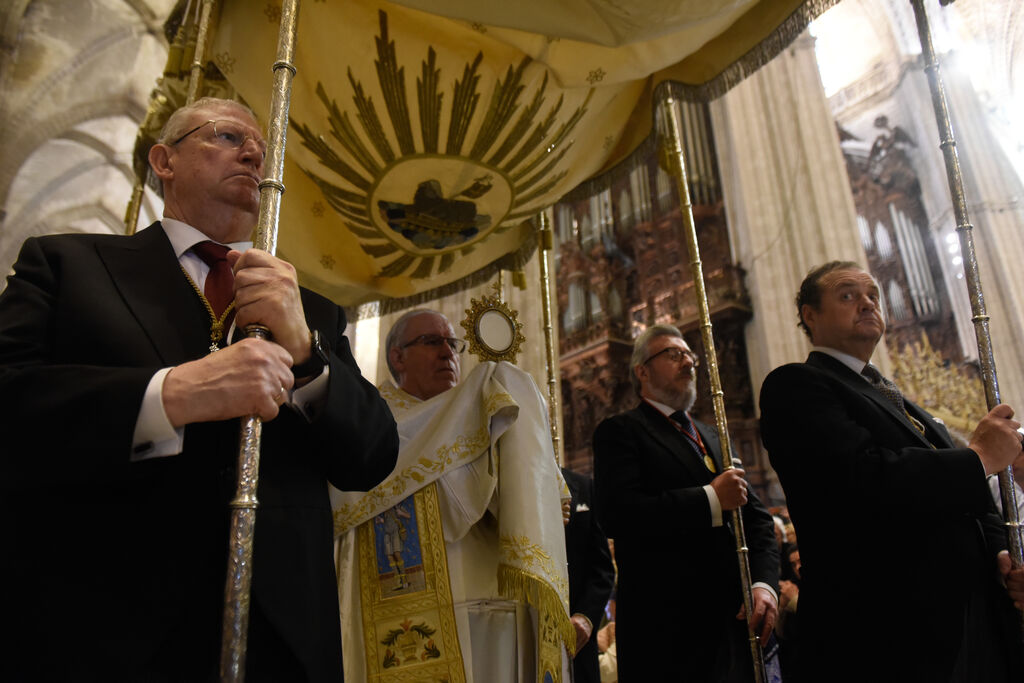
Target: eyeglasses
676, 355
228, 135
435, 340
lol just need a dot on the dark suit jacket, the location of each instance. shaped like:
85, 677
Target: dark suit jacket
591, 573
114, 570
679, 585
894, 534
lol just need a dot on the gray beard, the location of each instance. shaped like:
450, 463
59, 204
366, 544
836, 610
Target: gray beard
691, 396
678, 402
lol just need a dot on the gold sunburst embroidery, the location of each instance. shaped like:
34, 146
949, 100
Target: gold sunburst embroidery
509, 160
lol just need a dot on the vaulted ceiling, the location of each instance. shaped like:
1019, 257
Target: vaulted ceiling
75, 77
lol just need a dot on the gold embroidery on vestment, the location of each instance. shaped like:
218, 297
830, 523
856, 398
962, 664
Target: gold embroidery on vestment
409, 629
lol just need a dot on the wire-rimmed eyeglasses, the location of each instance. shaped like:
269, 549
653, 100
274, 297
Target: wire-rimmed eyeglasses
676, 355
456, 345
228, 135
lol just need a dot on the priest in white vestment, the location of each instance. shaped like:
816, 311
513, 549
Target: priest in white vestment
453, 568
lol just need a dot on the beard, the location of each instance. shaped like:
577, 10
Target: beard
678, 399
689, 396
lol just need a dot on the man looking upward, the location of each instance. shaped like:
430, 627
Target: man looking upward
118, 404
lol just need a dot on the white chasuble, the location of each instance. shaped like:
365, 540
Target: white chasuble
453, 568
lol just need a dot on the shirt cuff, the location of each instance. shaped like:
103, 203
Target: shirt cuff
761, 584
155, 436
309, 399
716, 507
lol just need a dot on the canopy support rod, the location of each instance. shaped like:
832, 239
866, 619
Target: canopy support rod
972, 275
672, 157
243, 513
545, 244
195, 78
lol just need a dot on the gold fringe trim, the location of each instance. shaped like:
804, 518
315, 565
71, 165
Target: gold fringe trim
522, 586
759, 55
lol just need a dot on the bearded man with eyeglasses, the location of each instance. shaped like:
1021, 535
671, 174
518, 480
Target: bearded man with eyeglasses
663, 496
121, 394
469, 524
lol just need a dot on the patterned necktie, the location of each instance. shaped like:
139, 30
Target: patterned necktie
220, 281
683, 420
884, 386
891, 392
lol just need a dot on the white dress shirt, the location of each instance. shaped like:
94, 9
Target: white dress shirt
713, 502
154, 435
857, 365
715, 505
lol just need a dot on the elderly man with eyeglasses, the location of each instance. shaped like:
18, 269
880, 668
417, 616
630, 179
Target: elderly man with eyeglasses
663, 496
120, 403
423, 354
457, 560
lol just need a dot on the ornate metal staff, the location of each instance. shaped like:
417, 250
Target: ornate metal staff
243, 515
195, 77
972, 276
544, 246
672, 156
195, 84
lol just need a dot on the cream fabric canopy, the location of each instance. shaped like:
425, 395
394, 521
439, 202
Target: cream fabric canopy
422, 144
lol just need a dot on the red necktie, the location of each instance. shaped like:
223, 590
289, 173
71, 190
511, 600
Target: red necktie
220, 281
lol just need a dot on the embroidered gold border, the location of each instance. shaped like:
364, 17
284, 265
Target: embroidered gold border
455, 454
555, 631
443, 459
435, 599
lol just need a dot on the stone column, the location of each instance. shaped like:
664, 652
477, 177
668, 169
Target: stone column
995, 198
787, 197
